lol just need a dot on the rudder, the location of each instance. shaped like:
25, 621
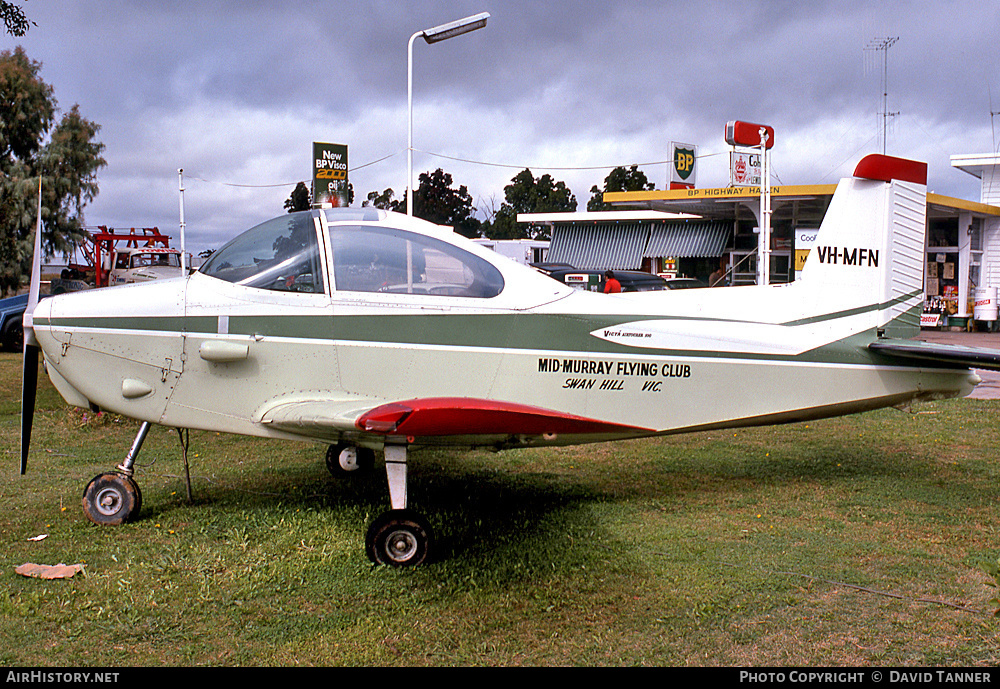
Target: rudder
872, 241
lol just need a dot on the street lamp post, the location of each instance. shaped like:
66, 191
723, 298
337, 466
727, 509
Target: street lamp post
435, 35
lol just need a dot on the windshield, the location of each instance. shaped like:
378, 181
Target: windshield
144, 260
280, 254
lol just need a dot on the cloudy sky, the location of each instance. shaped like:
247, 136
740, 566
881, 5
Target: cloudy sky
236, 92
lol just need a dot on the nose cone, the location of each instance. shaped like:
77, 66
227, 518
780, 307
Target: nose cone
137, 300
39, 314
140, 306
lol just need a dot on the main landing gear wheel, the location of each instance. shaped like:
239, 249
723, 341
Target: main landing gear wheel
401, 538
112, 499
348, 459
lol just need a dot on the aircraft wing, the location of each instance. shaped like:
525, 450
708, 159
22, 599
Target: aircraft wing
435, 416
316, 417
957, 355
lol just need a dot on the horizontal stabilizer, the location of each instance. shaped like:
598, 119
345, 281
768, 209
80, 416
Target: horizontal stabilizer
949, 355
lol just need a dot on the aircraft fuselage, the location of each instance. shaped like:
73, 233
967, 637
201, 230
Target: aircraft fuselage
634, 365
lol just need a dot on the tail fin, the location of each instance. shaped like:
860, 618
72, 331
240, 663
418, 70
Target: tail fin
872, 241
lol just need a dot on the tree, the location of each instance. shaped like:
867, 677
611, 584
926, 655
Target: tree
70, 162
525, 194
383, 200
435, 201
14, 19
66, 158
299, 199
27, 106
619, 179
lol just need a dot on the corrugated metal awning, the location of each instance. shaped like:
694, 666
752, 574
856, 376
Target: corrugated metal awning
688, 239
599, 245
623, 245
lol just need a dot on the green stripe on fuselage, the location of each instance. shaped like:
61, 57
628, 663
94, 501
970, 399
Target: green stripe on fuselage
511, 331
164, 324
855, 311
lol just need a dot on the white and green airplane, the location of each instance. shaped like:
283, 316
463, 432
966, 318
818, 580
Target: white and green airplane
376, 332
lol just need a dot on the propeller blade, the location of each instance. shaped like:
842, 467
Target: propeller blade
29, 371
29, 385
34, 287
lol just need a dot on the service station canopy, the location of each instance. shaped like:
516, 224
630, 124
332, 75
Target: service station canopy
800, 205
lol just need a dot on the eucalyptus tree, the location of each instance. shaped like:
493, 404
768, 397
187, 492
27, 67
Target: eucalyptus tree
36, 145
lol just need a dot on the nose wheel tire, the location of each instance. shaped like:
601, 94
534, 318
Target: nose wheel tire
112, 499
400, 538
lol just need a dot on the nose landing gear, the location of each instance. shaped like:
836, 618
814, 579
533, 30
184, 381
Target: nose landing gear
114, 498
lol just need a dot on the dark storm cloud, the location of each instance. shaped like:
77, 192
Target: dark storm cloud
235, 92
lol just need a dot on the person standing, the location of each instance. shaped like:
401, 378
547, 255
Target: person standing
718, 278
611, 284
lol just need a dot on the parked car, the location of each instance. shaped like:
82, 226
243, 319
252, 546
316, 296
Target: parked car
593, 280
685, 283
547, 267
11, 313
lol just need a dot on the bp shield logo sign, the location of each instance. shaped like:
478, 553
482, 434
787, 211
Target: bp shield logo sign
684, 162
682, 172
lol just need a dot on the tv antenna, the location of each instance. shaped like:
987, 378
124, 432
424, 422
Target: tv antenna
883, 45
993, 134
